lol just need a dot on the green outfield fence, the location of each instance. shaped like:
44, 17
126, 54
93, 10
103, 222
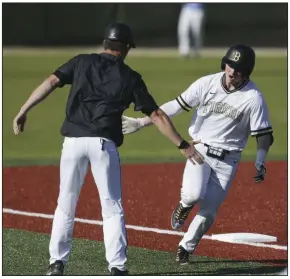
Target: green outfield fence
154, 24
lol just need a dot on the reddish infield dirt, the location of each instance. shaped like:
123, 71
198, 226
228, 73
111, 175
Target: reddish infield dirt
150, 194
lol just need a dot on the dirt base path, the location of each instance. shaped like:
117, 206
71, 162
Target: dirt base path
150, 194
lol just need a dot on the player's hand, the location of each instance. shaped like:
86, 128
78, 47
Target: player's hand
130, 125
19, 122
192, 154
260, 173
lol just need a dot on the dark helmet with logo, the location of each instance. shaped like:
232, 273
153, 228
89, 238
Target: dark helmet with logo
119, 32
241, 58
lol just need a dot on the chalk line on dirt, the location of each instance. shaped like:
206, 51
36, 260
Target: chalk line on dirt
137, 228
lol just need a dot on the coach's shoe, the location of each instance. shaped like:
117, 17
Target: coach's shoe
182, 256
179, 216
57, 268
117, 272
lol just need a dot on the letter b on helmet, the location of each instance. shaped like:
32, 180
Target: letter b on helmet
236, 56
241, 58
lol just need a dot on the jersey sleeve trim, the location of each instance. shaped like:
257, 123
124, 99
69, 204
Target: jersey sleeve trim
61, 77
183, 104
262, 132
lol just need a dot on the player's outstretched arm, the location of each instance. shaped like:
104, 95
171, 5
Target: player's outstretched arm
132, 125
39, 94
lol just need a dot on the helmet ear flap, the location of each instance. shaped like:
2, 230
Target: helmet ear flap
223, 64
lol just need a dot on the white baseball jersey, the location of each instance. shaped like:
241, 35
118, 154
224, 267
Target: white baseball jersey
222, 118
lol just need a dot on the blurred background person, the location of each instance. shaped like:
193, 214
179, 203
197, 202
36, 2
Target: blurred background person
191, 19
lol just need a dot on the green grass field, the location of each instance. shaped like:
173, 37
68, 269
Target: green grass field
23, 257
166, 78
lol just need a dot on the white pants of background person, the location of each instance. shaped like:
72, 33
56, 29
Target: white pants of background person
105, 165
190, 20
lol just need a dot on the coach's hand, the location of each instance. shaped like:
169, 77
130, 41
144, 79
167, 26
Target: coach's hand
19, 122
192, 154
260, 173
130, 125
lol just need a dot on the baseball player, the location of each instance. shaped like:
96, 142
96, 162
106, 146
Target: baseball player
229, 108
191, 20
102, 87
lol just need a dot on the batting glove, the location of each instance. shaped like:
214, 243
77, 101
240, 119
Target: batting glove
260, 173
130, 125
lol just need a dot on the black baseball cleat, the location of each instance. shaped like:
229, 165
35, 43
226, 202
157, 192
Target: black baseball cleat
56, 269
117, 272
182, 256
179, 216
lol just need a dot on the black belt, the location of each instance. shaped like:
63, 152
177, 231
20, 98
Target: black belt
226, 151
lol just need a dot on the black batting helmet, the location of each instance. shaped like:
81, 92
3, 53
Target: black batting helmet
119, 32
241, 58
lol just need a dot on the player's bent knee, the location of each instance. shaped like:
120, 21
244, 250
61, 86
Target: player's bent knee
110, 208
209, 217
208, 212
190, 197
207, 208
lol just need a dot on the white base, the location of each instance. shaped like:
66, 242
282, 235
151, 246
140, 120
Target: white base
244, 237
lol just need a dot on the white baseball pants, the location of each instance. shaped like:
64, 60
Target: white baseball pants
206, 185
190, 20
104, 159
